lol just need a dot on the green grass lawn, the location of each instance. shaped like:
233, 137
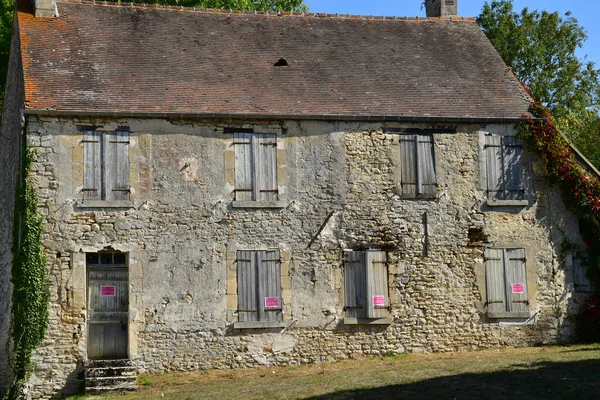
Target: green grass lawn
531, 373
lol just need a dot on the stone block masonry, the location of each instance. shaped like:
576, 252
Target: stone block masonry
182, 234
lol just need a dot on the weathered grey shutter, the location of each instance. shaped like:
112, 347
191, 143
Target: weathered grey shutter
269, 285
494, 279
494, 162
247, 286
426, 167
580, 279
265, 166
408, 165
377, 284
92, 165
355, 283
116, 165
516, 280
242, 143
512, 168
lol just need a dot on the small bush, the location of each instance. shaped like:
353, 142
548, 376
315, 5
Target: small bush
588, 321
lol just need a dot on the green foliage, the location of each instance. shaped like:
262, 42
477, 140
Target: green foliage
540, 47
31, 289
144, 380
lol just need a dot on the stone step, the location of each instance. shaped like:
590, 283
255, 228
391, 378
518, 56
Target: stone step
110, 381
109, 371
99, 391
108, 363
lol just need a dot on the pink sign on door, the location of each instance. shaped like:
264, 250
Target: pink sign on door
108, 291
271, 302
518, 288
379, 300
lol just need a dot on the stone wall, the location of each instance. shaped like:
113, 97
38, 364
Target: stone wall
182, 234
10, 140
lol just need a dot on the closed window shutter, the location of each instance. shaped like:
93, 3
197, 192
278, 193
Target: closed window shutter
243, 166
269, 286
426, 167
494, 279
265, 164
494, 170
512, 168
116, 165
408, 165
92, 165
516, 280
377, 284
580, 279
355, 283
247, 287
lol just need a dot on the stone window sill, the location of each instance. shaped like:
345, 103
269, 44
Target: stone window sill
508, 203
105, 204
368, 321
259, 204
259, 324
509, 315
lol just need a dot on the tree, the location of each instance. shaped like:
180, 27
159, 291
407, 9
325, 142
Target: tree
540, 48
7, 7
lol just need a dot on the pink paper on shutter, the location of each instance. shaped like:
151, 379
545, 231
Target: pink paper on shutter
379, 300
518, 288
271, 302
108, 291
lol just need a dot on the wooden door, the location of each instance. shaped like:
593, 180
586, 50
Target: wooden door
108, 304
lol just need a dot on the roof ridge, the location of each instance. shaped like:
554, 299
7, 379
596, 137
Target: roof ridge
104, 3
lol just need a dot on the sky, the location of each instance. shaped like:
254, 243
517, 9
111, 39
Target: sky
585, 11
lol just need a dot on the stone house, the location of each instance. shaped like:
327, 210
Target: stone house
234, 189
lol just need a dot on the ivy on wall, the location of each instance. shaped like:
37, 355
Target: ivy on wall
580, 189
31, 289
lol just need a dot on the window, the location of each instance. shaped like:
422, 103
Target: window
580, 261
255, 167
504, 169
506, 283
106, 165
259, 286
417, 175
365, 285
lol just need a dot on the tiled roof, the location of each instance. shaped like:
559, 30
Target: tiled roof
146, 59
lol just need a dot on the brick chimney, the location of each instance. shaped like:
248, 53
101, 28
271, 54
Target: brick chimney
441, 8
45, 8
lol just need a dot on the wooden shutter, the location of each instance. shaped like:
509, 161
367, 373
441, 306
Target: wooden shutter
494, 162
408, 165
242, 143
512, 168
269, 285
116, 165
92, 165
355, 283
494, 279
580, 280
377, 284
247, 287
516, 280
265, 166
426, 167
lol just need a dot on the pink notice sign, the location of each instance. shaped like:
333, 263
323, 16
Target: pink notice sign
379, 300
107, 291
518, 288
271, 302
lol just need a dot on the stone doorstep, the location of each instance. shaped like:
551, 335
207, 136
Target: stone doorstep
110, 382
109, 371
108, 363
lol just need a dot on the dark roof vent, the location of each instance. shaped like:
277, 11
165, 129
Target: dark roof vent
281, 63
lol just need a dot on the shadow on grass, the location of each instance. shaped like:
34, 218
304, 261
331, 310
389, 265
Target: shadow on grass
544, 380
